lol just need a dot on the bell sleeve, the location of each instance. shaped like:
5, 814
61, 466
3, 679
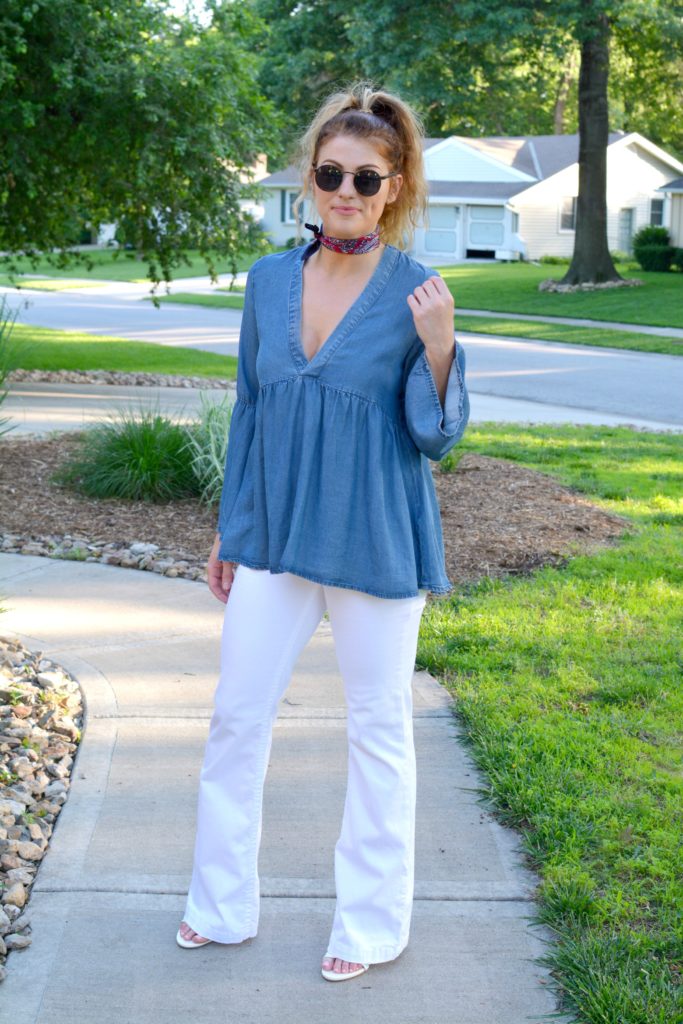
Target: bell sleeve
434, 428
242, 420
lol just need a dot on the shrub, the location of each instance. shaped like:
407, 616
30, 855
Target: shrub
559, 260
141, 457
677, 259
655, 257
652, 249
651, 235
207, 444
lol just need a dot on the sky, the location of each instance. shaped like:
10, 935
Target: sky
180, 6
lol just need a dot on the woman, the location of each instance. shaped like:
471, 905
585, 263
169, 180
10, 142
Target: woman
349, 381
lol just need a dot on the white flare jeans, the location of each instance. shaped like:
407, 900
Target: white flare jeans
269, 618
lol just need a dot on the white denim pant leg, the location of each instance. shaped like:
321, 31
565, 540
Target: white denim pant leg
268, 619
376, 641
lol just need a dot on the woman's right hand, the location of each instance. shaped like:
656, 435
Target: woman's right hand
220, 574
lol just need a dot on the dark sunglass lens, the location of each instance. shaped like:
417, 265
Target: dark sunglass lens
368, 182
328, 178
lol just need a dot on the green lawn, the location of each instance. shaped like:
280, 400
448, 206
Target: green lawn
232, 301
42, 348
600, 336
569, 686
122, 265
513, 288
46, 284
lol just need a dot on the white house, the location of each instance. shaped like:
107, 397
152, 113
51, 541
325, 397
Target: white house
673, 191
501, 197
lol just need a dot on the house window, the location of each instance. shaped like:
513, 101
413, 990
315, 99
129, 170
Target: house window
442, 233
626, 229
568, 214
656, 212
287, 197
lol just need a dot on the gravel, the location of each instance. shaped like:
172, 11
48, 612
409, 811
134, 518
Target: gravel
41, 713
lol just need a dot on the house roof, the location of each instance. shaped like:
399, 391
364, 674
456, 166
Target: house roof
539, 156
671, 186
477, 189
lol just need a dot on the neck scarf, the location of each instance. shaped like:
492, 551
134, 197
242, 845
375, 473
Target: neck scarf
366, 243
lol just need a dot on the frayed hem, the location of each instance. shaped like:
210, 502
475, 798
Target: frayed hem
372, 955
225, 938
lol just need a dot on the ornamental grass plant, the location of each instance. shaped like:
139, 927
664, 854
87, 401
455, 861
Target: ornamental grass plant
142, 455
207, 442
137, 456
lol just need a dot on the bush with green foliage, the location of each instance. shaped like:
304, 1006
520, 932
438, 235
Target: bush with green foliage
144, 456
652, 249
139, 458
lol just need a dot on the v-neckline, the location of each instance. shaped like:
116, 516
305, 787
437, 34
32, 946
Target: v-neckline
355, 311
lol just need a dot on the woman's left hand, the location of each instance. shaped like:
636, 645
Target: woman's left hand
432, 307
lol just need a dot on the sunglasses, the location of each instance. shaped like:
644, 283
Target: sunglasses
366, 183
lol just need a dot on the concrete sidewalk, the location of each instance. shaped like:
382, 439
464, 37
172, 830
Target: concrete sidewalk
110, 893
39, 408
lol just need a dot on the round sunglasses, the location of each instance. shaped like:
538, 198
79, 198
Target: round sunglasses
366, 183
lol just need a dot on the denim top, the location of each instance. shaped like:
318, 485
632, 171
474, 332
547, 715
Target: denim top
327, 471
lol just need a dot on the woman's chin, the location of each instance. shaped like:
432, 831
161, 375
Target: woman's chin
344, 227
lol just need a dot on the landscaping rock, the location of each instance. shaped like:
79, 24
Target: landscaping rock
37, 743
163, 380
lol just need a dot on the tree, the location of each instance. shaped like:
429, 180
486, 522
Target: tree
591, 23
117, 109
591, 259
507, 67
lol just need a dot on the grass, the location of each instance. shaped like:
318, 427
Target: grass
569, 686
123, 265
46, 349
569, 334
139, 457
234, 301
149, 457
46, 284
513, 288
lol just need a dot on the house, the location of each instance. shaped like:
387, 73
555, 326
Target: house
673, 192
504, 197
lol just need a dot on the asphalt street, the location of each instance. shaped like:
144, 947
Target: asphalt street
574, 383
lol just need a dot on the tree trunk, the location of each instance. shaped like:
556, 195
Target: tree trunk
591, 261
566, 80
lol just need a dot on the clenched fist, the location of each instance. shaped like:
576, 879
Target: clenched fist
432, 307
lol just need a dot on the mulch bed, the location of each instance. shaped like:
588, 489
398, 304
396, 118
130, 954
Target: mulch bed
498, 518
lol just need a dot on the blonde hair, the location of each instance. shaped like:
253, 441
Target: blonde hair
369, 113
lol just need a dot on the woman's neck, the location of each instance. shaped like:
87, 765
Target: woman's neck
342, 264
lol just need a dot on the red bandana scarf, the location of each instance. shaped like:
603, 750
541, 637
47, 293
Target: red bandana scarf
366, 243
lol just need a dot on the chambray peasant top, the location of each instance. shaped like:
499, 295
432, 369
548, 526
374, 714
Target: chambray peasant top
327, 471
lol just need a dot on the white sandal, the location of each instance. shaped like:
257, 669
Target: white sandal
337, 975
189, 943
